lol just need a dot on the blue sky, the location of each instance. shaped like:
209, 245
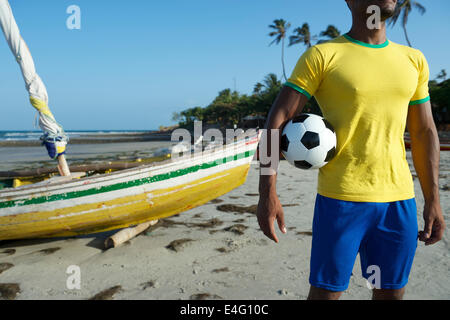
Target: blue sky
134, 63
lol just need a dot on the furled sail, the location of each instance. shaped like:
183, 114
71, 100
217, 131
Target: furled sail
34, 85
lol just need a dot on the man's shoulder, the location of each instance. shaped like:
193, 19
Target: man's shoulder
330, 45
408, 51
326, 49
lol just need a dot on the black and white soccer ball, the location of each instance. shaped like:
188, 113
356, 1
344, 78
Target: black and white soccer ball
308, 141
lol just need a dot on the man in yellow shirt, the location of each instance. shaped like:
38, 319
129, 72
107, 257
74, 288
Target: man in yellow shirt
369, 89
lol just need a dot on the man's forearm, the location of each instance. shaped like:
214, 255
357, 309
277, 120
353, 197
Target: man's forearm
287, 104
269, 159
425, 151
269, 151
267, 184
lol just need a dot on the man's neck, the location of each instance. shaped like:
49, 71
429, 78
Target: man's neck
359, 31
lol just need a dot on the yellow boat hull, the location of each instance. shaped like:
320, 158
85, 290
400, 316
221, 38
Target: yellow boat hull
122, 212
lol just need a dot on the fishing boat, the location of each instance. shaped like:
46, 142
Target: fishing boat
63, 206
74, 203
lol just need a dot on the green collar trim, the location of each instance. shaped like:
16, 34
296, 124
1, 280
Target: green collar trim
368, 45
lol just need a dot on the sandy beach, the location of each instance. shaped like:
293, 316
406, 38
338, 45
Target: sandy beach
215, 251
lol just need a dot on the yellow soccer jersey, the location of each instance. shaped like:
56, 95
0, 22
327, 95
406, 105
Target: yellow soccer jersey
364, 91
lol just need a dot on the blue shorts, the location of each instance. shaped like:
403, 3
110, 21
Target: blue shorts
384, 234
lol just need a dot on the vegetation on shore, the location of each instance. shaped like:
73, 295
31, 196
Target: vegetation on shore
440, 100
231, 107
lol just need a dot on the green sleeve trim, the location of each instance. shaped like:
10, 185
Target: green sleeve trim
412, 103
297, 88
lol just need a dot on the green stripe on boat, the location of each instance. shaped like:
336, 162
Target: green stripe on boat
124, 185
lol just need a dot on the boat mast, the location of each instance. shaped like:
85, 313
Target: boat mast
33, 83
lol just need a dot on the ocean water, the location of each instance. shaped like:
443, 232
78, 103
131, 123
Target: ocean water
34, 135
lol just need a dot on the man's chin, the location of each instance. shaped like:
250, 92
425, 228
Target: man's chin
387, 13
388, 10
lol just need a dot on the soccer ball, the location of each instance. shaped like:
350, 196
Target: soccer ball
308, 141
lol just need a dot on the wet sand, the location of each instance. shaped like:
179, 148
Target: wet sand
215, 251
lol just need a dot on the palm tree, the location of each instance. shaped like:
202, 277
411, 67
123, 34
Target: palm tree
442, 75
331, 33
404, 8
280, 28
271, 82
302, 35
258, 88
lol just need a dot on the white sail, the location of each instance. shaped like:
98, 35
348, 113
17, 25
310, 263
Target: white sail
34, 85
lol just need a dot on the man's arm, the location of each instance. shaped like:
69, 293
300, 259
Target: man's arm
426, 152
288, 103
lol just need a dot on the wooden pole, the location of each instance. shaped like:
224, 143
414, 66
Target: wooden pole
127, 234
63, 168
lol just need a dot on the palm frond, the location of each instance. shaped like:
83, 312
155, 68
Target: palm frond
393, 20
276, 40
406, 12
331, 32
295, 40
403, 9
419, 7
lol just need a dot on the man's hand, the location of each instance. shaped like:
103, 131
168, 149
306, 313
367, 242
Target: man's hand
269, 210
434, 228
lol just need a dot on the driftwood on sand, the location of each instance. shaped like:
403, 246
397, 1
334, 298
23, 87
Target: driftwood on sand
127, 234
